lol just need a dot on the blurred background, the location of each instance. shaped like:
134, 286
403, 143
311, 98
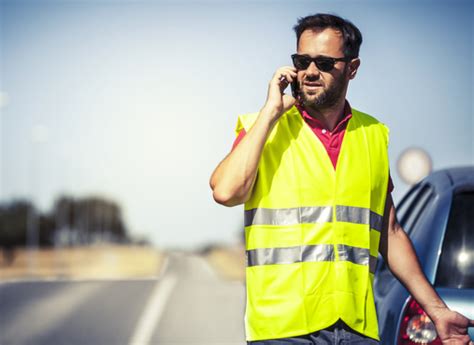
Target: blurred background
113, 115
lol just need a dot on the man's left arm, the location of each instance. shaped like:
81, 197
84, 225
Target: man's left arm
399, 254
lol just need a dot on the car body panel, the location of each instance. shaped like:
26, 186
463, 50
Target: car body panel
427, 233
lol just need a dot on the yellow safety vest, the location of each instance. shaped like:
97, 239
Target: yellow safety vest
312, 232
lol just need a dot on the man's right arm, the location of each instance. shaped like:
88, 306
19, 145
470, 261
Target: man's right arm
232, 181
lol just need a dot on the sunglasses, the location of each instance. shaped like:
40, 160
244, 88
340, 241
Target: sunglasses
324, 63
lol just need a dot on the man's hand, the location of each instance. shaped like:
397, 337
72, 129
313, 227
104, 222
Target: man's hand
233, 179
452, 327
277, 102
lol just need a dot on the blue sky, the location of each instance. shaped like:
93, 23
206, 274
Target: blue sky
137, 100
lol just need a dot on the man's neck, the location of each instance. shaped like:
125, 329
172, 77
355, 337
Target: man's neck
330, 116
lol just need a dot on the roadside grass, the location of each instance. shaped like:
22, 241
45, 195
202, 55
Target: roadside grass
85, 262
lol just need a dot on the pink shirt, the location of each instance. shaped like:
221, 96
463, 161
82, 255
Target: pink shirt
331, 140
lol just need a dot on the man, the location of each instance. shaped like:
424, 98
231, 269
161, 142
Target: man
313, 174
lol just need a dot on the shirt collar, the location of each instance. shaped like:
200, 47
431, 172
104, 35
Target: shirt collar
315, 123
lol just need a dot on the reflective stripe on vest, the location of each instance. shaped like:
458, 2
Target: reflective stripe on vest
310, 253
359, 215
316, 214
290, 255
288, 216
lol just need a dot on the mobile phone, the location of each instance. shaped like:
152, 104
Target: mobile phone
295, 88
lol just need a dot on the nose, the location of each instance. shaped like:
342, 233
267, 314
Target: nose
312, 70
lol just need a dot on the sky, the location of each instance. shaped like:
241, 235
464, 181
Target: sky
137, 100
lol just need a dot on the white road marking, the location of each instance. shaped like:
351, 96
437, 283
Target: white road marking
205, 265
164, 267
154, 309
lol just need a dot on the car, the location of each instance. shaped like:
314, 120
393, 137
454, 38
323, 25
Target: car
438, 215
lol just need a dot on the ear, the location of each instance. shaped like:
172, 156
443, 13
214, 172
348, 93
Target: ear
353, 67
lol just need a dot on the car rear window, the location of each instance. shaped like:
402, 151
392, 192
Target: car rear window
456, 265
404, 205
416, 209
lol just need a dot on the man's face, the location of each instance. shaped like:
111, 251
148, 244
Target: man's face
322, 89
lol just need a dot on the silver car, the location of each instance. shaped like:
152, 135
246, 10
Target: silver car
438, 215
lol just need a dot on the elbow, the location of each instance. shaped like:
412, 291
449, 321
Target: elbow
227, 198
228, 193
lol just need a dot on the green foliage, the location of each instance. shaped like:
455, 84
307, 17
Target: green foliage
71, 221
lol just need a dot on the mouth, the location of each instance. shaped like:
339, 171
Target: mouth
311, 86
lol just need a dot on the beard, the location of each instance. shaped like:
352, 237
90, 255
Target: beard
327, 97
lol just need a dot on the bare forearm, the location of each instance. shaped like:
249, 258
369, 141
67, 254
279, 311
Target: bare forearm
404, 264
233, 179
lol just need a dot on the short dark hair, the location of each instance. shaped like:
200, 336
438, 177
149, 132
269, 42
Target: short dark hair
352, 38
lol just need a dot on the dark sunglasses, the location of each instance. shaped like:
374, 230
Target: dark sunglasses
324, 63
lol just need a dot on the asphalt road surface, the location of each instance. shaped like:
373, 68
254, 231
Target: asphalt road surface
189, 304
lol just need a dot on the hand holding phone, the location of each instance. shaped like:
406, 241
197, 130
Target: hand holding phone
277, 101
295, 89
294, 86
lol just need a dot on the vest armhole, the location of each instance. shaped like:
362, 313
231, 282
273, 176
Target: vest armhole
245, 121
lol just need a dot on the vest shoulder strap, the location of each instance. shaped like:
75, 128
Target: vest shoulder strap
371, 123
245, 121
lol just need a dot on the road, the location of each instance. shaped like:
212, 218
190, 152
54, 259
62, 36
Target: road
188, 304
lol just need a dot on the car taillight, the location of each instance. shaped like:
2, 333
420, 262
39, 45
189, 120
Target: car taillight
417, 327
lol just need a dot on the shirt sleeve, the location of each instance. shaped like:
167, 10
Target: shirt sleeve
239, 138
